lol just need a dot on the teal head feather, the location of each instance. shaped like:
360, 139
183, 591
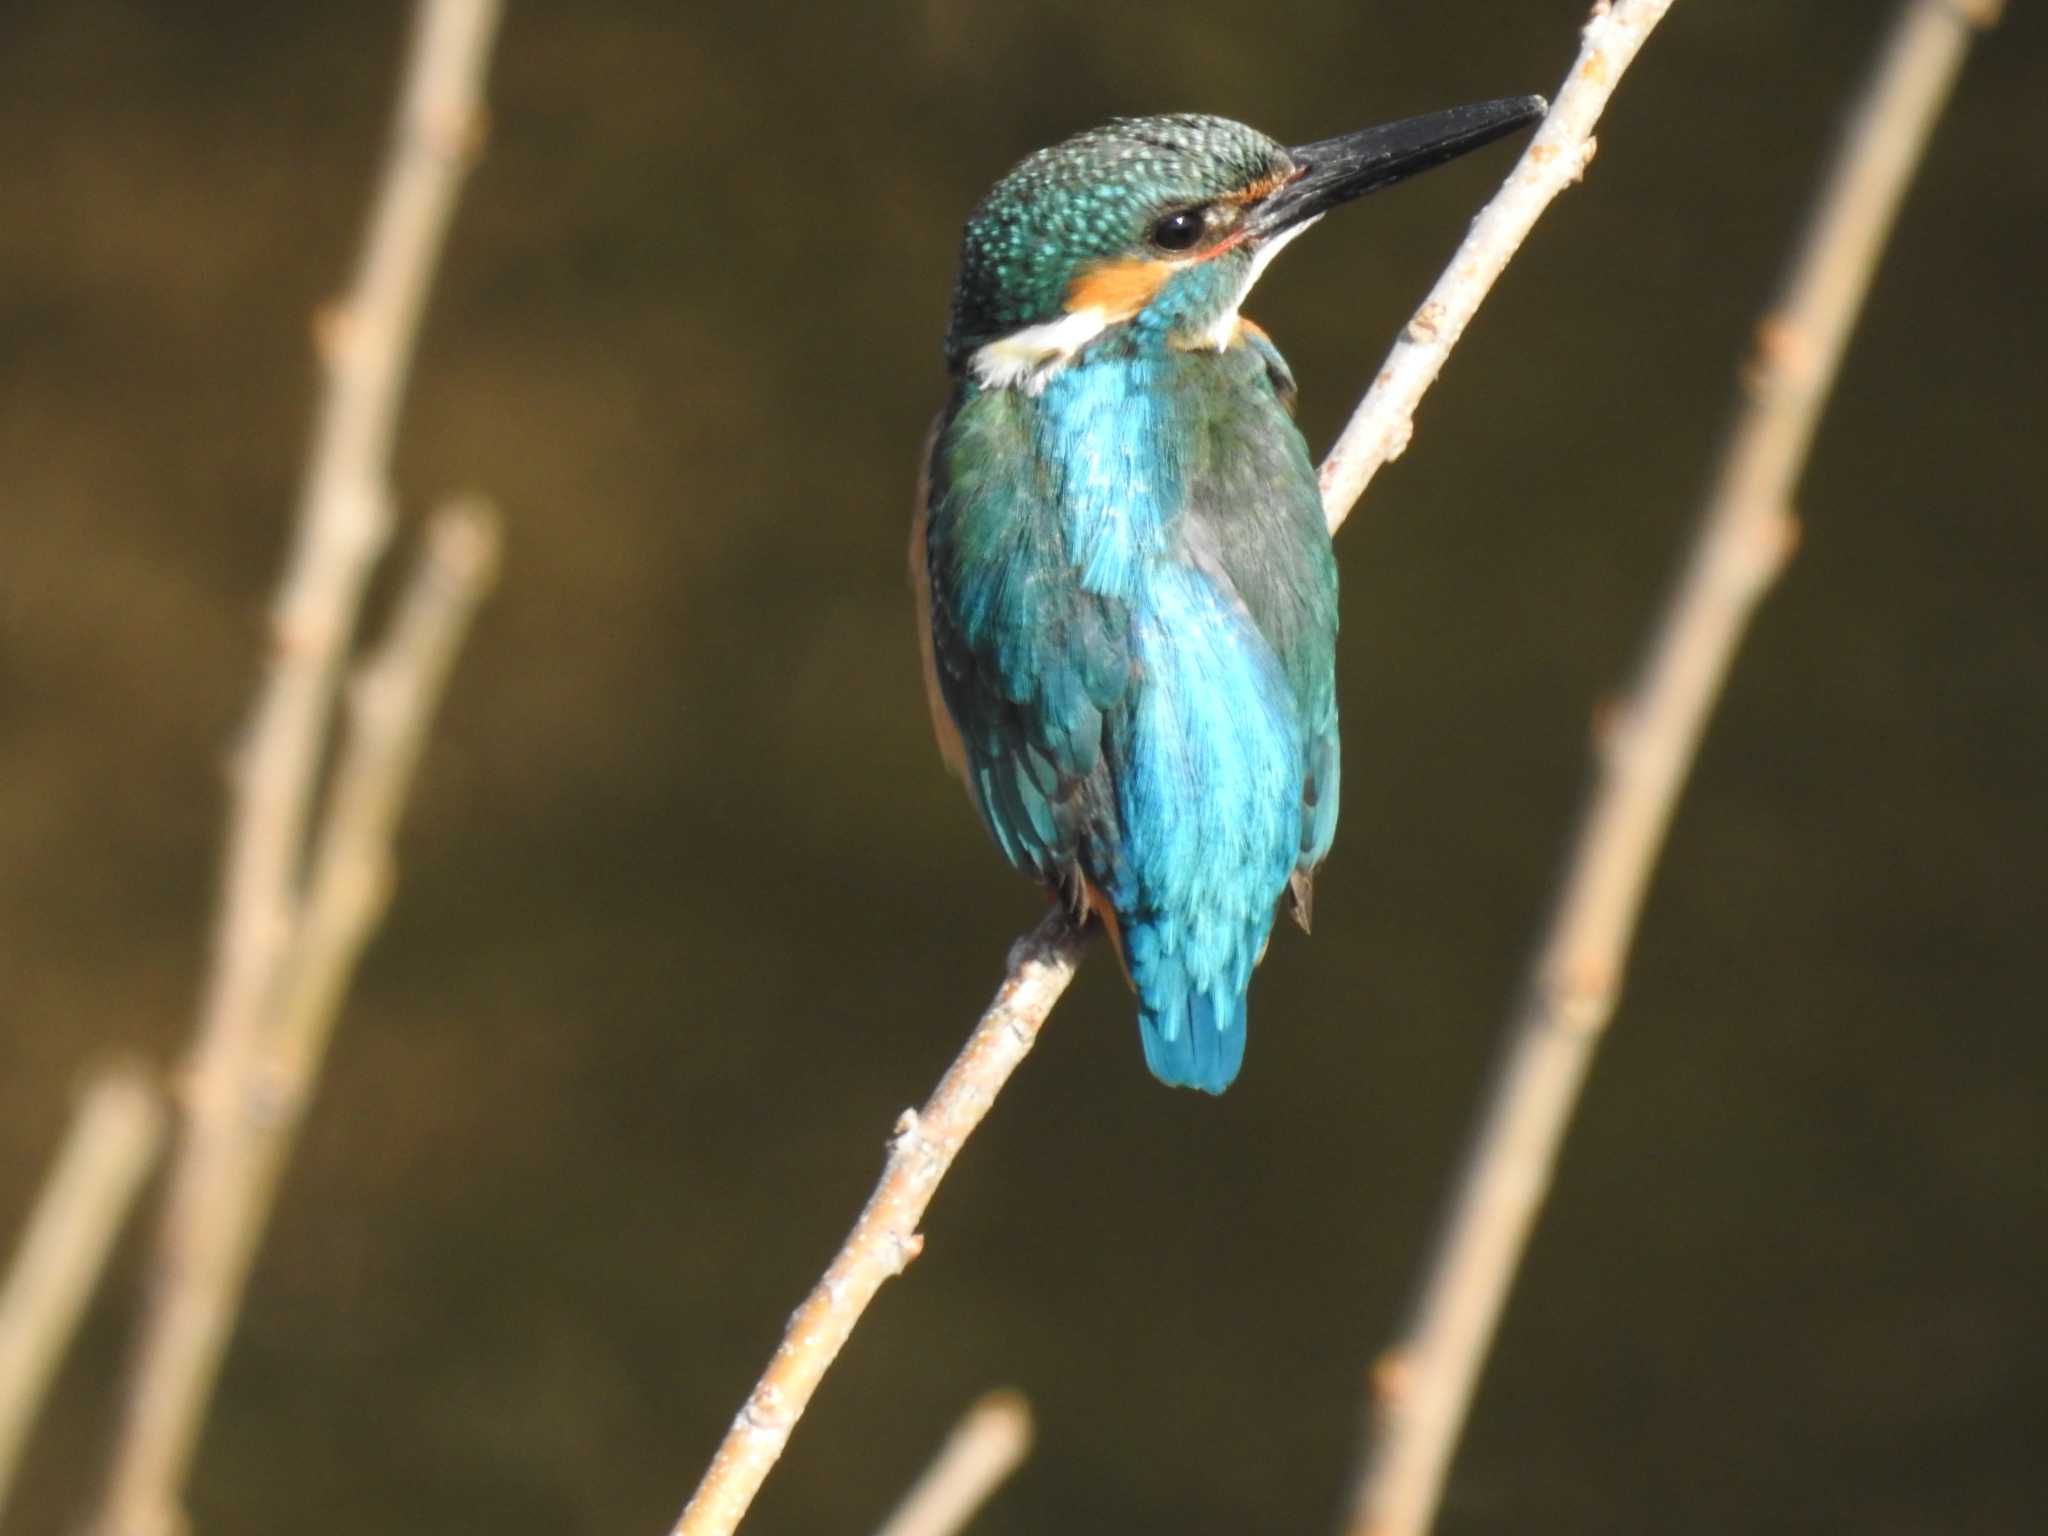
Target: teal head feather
1093, 207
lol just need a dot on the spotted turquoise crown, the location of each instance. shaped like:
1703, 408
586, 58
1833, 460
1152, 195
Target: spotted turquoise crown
1088, 201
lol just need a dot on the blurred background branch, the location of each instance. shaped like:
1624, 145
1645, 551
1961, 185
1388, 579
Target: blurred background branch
989, 1443
284, 949
1647, 744
106, 1156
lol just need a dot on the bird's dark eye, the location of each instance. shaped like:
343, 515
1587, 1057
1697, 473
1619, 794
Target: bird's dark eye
1178, 231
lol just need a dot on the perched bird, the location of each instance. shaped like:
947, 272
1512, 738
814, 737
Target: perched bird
1128, 600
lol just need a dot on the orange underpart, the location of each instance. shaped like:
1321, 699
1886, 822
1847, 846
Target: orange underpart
1099, 905
952, 751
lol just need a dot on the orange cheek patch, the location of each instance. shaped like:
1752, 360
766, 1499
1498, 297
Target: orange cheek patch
1118, 288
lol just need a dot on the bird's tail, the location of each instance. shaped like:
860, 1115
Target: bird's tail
1193, 1033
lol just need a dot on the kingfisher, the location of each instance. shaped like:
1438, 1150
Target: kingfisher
1126, 589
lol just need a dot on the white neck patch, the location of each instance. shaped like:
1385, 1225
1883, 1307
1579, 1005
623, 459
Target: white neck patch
1026, 359
1223, 331
1029, 357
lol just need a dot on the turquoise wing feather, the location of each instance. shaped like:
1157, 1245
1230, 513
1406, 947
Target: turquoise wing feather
1028, 663
1133, 615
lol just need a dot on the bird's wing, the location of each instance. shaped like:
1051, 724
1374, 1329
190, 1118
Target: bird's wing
1278, 564
952, 751
1026, 664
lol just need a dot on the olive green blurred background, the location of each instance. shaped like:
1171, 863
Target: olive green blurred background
689, 910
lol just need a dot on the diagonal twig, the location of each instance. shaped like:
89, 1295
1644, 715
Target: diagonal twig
344, 520
885, 1239
392, 702
108, 1152
1557, 156
1746, 532
989, 1443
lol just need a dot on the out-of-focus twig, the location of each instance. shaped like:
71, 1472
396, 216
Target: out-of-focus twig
885, 1238
106, 1156
1747, 530
343, 523
391, 703
989, 1443
1557, 156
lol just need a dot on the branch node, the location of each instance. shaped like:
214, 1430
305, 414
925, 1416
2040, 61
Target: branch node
765, 1413
904, 1248
1609, 720
1393, 1379
1785, 533
1423, 327
907, 1135
1582, 1007
456, 134
1981, 14
270, 1098
334, 330
1784, 352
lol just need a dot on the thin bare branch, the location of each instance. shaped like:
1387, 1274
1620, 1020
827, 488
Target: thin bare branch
1557, 156
989, 1443
107, 1154
1747, 530
345, 517
885, 1239
392, 701
344, 522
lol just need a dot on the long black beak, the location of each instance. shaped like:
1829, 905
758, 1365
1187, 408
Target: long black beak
1352, 164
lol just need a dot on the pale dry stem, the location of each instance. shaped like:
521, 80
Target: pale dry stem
885, 1238
1379, 430
107, 1154
1745, 534
366, 343
989, 1443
